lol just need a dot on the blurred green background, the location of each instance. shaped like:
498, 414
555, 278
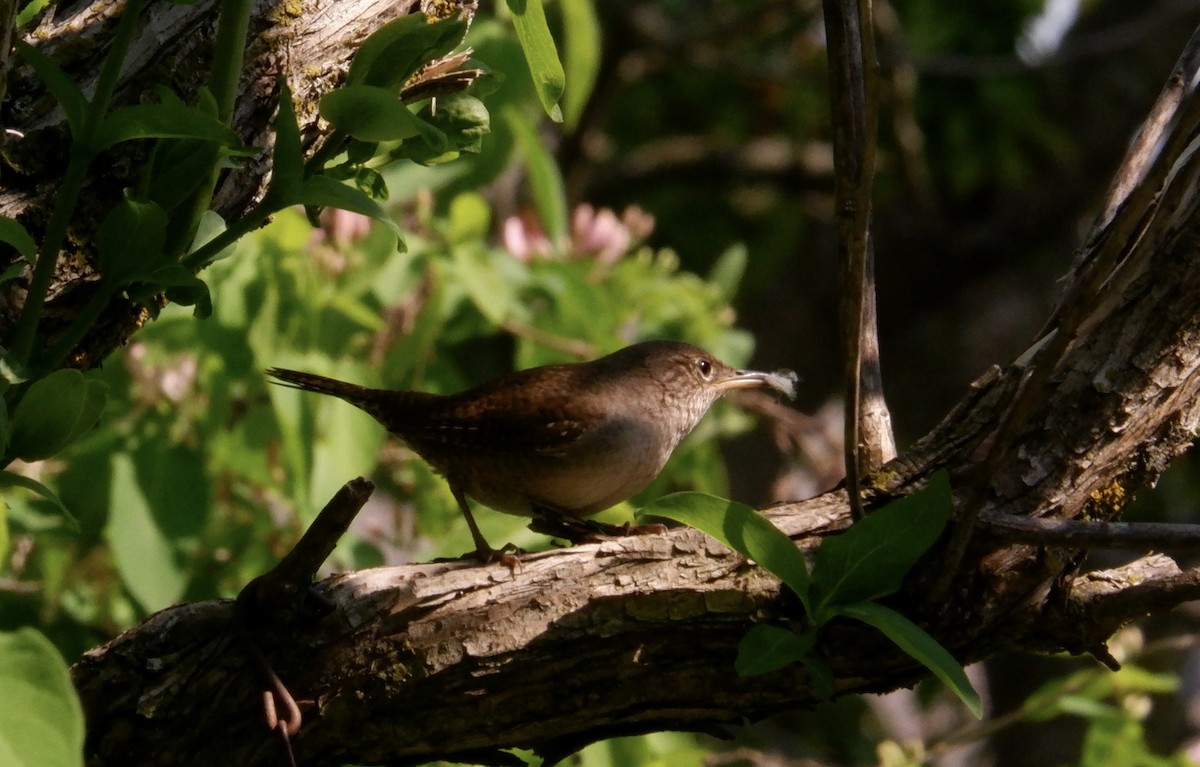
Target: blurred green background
687, 195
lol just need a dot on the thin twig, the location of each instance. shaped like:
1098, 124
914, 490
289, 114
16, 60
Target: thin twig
849, 35
299, 566
1074, 533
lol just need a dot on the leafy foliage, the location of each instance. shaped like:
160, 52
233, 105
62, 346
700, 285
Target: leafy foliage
864, 563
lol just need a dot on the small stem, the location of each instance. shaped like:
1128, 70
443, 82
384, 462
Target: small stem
333, 144
1084, 534
199, 258
43, 270
228, 55
110, 72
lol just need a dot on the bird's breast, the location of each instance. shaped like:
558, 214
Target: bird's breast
606, 465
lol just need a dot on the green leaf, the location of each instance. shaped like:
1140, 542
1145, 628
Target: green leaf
464, 119
130, 241
529, 19
545, 180
726, 273
95, 394
742, 529
399, 48
211, 225
183, 288
369, 113
145, 557
581, 55
12, 272
324, 192
12, 479
178, 168
167, 120
41, 720
461, 121
371, 183
30, 11
475, 268
923, 648
64, 89
767, 648
13, 233
870, 560
1117, 740
45, 419
359, 152
820, 674
469, 218
287, 158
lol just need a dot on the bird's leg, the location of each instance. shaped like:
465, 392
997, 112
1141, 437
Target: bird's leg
483, 551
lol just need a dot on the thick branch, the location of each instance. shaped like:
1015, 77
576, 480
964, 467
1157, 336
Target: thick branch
453, 661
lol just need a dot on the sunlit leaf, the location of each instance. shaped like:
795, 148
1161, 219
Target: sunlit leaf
324, 192
145, 557
369, 113
397, 49
41, 721
462, 121
529, 19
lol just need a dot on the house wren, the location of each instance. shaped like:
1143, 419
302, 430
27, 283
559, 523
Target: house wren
558, 442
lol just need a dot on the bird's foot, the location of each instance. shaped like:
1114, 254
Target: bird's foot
624, 531
578, 530
508, 555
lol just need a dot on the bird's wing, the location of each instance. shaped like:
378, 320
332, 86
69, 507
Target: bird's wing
519, 414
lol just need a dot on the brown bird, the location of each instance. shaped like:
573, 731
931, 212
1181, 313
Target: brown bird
559, 442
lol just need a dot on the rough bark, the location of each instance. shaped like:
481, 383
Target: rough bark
457, 662
309, 45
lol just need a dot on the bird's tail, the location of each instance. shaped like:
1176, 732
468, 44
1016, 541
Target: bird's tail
396, 410
359, 396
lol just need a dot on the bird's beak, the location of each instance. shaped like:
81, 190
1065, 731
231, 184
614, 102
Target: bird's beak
782, 381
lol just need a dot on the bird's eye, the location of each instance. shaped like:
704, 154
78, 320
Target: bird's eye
705, 368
